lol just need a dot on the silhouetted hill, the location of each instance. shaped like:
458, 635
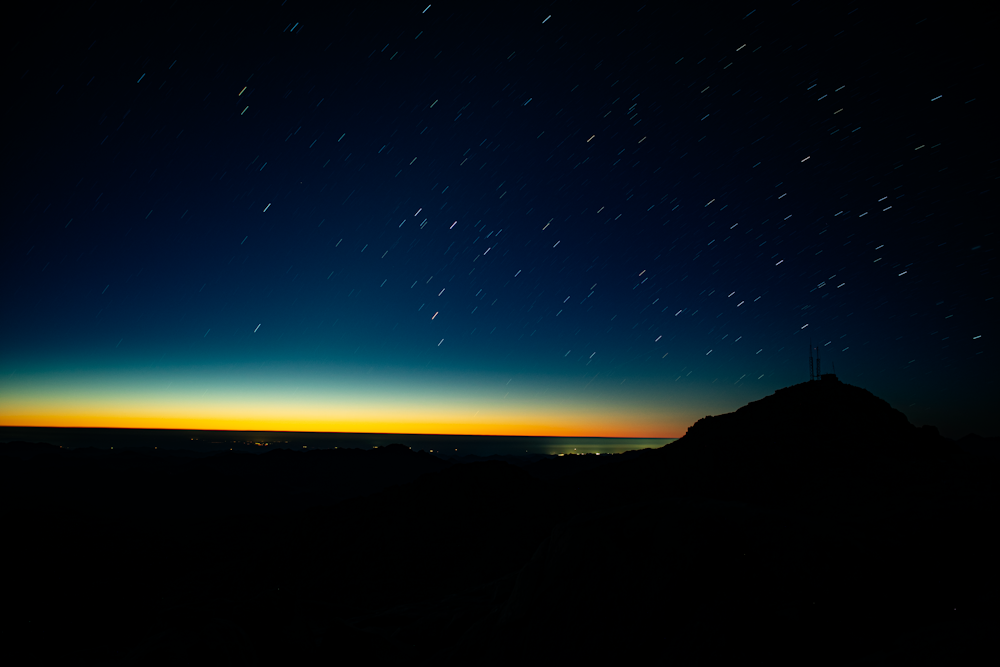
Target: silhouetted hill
814, 443
814, 526
814, 424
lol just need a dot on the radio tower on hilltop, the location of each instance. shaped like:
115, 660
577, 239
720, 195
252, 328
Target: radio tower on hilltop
815, 372
812, 376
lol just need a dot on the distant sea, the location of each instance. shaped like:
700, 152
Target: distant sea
262, 441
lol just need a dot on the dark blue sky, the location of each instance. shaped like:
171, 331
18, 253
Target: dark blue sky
512, 219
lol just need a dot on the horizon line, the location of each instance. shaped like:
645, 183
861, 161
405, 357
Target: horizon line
457, 435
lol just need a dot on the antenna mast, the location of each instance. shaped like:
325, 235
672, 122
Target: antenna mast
817, 363
811, 375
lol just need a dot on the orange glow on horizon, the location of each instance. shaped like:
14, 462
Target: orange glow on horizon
555, 428
349, 405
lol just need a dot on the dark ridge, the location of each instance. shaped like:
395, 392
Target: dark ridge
814, 526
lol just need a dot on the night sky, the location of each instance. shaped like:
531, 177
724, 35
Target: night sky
491, 218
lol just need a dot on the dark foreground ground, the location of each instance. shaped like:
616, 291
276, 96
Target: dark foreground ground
753, 538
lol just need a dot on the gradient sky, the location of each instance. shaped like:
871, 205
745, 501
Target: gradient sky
519, 219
